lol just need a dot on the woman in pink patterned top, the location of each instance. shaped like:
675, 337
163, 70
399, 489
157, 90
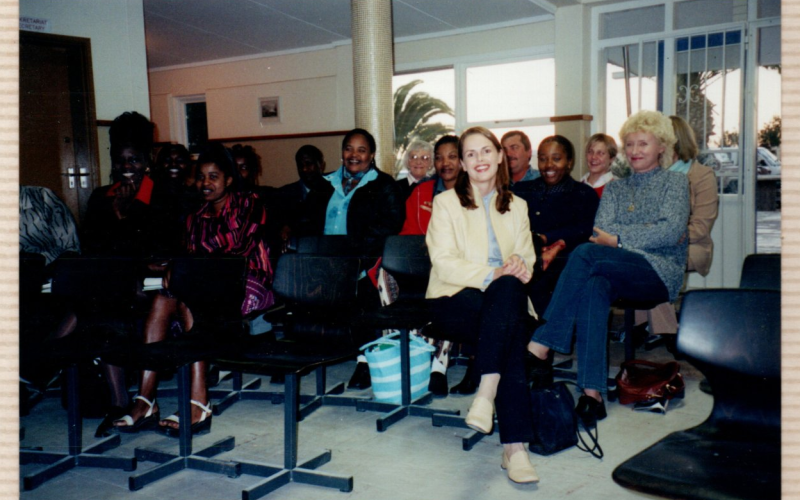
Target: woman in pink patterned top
230, 223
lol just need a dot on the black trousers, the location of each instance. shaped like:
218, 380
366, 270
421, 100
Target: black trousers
494, 321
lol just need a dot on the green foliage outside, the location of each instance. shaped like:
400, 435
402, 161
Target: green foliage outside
412, 115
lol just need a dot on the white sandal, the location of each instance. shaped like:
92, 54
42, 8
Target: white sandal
147, 421
202, 426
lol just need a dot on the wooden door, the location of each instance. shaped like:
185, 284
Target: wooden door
58, 131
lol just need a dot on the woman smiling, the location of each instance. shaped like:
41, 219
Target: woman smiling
638, 251
482, 255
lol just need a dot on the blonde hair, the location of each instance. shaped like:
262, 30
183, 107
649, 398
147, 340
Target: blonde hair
652, 122
686, 147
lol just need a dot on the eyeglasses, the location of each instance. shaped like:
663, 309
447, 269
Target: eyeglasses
417, 157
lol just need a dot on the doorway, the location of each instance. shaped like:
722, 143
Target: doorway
58, 129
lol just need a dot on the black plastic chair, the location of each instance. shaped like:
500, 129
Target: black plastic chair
733, 337
213, 290
320, 290
101, 292
406, 259
761, 271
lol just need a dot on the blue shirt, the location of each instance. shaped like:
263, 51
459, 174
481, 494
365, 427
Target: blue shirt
530, 174
336, 213
495, 255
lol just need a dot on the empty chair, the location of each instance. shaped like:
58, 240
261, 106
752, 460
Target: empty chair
733, 337
761, 271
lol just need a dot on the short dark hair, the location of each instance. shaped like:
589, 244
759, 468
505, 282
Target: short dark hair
523, 137
308, 150
219, 155
362, 132
131, 130
445, 139
565, 143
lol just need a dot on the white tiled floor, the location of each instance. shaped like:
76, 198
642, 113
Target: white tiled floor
412, 460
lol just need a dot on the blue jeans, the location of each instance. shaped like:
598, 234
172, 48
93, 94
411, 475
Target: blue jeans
594, 278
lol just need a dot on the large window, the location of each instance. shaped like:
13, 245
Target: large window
513, 95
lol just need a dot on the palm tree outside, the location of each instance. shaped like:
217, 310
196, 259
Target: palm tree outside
413, 113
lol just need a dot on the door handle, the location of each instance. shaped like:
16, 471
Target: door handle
83, 173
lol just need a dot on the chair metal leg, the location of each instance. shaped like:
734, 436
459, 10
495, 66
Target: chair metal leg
170, 463
397, 412
292, 471
76, 456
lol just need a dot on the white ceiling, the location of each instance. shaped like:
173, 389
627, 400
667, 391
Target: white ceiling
182, 32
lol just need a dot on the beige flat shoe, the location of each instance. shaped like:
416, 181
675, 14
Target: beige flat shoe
519, 467
481, 415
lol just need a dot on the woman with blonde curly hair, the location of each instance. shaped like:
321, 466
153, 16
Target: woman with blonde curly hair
638, 251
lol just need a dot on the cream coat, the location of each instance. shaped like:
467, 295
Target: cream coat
458, 242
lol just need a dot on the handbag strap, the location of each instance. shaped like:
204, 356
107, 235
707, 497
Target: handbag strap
595, 450
674, 365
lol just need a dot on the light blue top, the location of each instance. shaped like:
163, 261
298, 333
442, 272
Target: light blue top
681, 167
495, 255
336, 214
530, 174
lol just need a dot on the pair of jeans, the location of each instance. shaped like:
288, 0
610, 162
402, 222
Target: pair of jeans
495, 322
594, 278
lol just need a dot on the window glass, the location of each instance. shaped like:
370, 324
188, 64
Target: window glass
630, 22
709, 12
424, 104
196, 126
512, 91
644, 62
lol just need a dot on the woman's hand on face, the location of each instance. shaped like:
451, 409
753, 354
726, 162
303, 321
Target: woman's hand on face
603, 238
123, 197
515, 266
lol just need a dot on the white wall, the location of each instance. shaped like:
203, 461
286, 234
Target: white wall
119, 61
316, 89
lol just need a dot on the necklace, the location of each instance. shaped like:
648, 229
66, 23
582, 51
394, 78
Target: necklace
632, 206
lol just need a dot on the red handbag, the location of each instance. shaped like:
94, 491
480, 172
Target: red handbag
640, 380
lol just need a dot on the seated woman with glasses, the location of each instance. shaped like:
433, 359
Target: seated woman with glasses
418, 161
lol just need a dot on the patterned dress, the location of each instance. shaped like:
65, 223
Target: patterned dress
239, 229
46, 225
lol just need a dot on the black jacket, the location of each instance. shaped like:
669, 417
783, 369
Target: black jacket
376, 211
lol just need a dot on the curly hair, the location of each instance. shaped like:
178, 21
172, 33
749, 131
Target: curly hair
463, 187
652, 122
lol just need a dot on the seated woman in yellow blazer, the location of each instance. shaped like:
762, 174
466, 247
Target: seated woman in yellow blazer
480, 244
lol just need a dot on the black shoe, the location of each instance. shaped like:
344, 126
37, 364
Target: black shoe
705, 386
468, 385
438, 384
539, 371
590, 411
360, 379
107, 425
